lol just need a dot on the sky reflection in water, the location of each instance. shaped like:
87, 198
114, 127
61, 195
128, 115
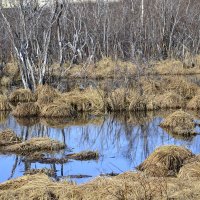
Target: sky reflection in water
123, 143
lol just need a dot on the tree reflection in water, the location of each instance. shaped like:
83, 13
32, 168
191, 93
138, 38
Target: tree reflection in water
123, 142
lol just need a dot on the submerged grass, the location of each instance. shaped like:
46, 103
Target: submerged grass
85, 155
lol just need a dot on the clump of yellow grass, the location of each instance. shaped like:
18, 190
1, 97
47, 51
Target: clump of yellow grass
118, 100
107, 67
46, 90
8, 137
181, 86
165, 161
38, 186
57, 109
126, 186
171, 66
137, 102
6, 81
4, 104
194, 103
26, 110
11, 69
48, 172
179, 122
84, 155
89, 100
190, 170
22, 95
170, 100
32, 145
151, 86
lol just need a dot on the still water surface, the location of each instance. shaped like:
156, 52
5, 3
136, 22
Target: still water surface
123, 143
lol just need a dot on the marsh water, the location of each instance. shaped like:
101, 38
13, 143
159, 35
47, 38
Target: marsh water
123, 141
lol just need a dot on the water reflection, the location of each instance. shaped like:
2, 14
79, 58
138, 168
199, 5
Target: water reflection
123, 141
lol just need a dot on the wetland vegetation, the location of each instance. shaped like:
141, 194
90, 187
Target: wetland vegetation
100, 105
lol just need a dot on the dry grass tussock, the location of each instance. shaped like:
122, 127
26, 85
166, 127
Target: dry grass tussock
89, 100
11, 69
57, 109
165, 161
125, 186
26, 110
22, 95
190, 170
46, 90
48, 172
38, 186
179, 122
194, 103
181, 86
4, 104
176, 67
151, 86
84, 155
105, 68
8, 137
6, 81
170, 100
34, 144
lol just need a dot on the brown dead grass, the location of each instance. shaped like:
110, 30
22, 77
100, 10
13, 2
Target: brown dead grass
32, 145
22, 95
48, 172
194, 103
170, 100
8, 137
85, 155
165, 161
57, 109
26, 110
105, 68
4, 104
176, 67
190, 170
179, 122
89, 100
46, 90
11, 69
6, 81
181, 86
125, 186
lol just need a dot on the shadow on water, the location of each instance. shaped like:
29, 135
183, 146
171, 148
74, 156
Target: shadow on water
123, 141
